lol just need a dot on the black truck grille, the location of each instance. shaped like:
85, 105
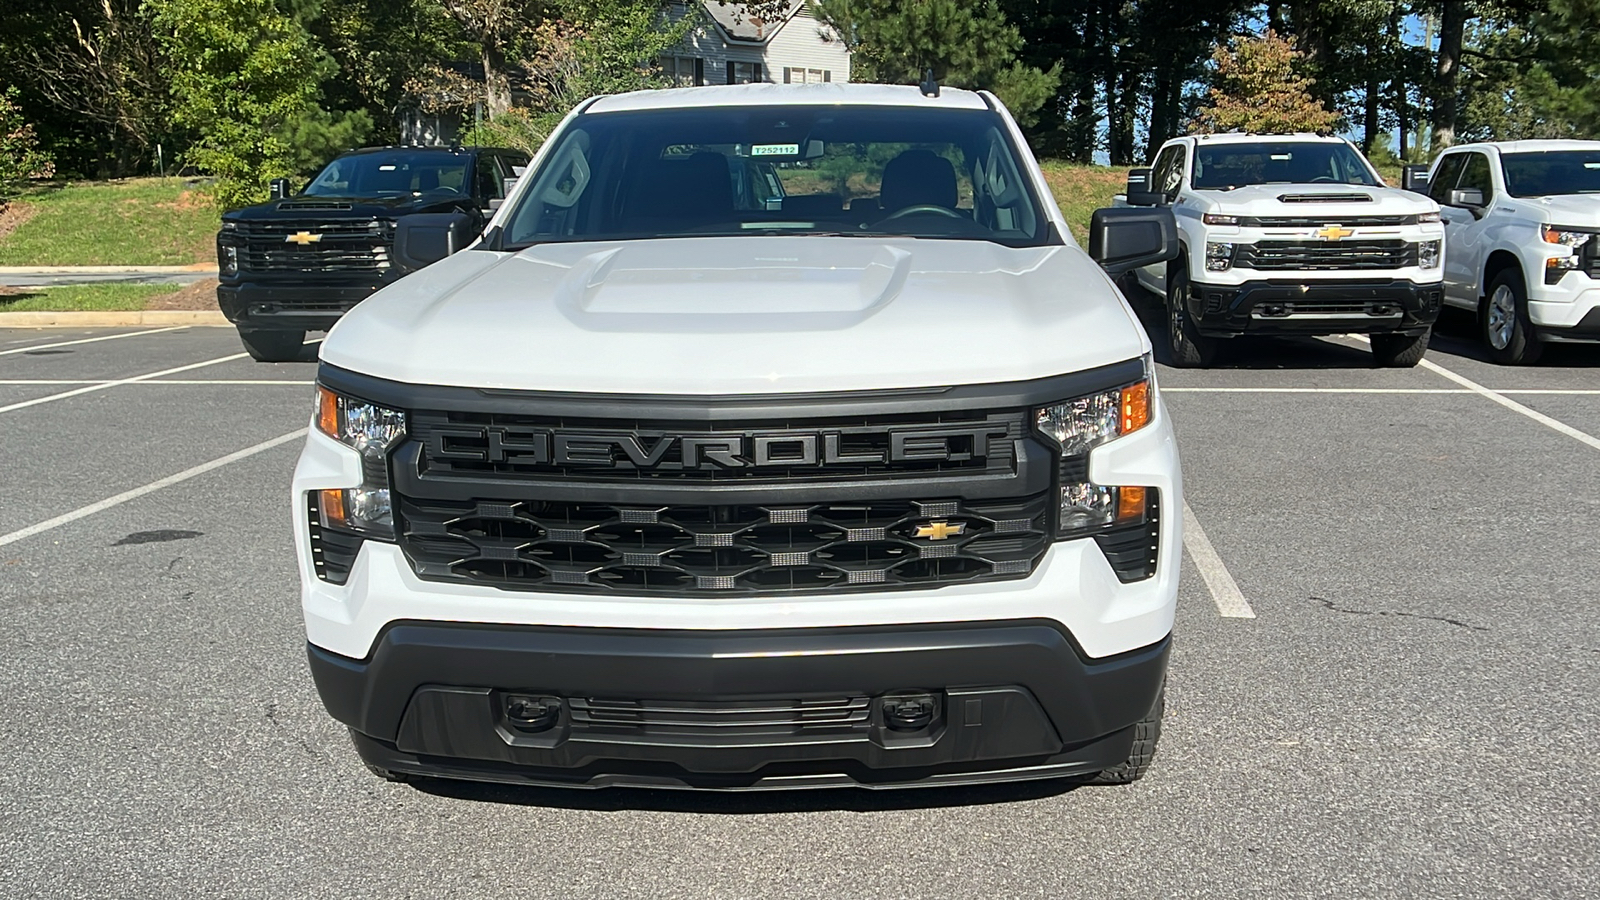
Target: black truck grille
479, 445
340, 245
725, 718
724, 550
1302, 255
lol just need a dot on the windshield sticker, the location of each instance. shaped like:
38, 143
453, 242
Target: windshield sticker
388, 167
1593, 165
775, 150
1282, 156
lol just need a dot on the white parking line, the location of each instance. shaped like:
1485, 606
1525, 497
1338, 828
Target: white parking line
62, 381
106, 337
1513, 405
150, 488
111, 384
1224, 590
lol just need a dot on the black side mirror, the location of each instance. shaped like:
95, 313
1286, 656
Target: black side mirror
278, 188
1125, 239
426, 238
1466, 198
1139, 192
1414, 179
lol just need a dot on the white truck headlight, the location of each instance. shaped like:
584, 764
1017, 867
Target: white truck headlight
371, 431
228, 260
1554, 235
1079, 425
1219, 256
1428, 254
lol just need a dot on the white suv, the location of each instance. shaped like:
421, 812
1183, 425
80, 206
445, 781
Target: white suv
1290, 234
1522, 220
863, 482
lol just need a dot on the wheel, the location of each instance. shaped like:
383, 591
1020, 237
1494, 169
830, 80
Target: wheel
1400, 351
1189, 347
1506, 328
1146, 735
273, 346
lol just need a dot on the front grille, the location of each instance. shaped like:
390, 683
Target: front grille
333, 552
1310, 222
1312, 255
1592, 258
340, 245
478, 445
722, 550
745, 717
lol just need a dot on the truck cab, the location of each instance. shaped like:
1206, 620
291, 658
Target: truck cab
297, 263
1290, 234
1522, 227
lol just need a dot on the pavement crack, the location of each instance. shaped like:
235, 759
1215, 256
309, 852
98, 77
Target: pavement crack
1331, 606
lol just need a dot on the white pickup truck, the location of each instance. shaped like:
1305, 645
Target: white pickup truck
1522, 223
1290, 234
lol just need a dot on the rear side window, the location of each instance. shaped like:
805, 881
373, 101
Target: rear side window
1445, 177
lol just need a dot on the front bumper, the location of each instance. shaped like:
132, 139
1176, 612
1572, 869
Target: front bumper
1323, 306
786, 708
1567, 310
295, 306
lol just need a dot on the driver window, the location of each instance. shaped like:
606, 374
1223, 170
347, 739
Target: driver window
490, 186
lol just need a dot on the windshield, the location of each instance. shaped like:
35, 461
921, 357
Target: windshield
870, 171
393, 173
1226, 166
1560, 172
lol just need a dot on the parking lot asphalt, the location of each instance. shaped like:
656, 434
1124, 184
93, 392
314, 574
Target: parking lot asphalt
1411, 711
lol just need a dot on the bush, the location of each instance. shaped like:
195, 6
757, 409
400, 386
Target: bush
20, 156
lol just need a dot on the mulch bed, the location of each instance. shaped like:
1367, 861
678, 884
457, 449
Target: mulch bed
200, 295
13, 214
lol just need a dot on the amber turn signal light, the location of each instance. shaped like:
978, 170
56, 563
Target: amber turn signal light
1135, 407
1130, 504
327, 412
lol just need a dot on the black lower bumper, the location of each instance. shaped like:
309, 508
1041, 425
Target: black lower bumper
291, 306
1587, 329
1291, 306
1004, 700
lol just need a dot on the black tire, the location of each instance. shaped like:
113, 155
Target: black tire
1146, 735
1503, 322
273, 346
1188, 348
1400, 351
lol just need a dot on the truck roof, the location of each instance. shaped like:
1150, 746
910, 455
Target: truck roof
1529, 146
788, 95
1234, 137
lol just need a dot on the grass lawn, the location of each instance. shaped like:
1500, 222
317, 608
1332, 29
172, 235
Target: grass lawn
1080, 190
136, 222
81, 297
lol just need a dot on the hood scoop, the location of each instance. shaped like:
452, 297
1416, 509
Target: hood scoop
314, 204
1325, 198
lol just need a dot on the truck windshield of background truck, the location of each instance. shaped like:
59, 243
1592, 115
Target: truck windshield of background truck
394, 173
1547, 174
1221, 167
869, 171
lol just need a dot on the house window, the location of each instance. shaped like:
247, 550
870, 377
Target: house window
683, 71
806, 76
744, 72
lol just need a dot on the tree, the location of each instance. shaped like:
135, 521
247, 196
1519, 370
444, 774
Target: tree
20, 157
496, 28
1255, 88
966, 44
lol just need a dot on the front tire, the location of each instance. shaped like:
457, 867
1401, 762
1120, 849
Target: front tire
272, 346
1400, 351
1146, 735
1507, 331
1189, 348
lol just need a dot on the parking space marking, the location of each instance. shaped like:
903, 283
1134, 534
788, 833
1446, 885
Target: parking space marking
111, 384
39, 381
1513, 405
152, 487
1224, 590
105, 337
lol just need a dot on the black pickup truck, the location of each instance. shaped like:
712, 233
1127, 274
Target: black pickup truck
297, 263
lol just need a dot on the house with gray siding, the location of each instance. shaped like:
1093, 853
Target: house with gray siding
733, 47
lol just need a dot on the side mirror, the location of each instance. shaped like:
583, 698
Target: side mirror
1414, 179
279, 189
1138, 190
426, 238
1125, 239
1466, 198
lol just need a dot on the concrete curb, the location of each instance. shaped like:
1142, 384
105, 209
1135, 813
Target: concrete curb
127, 319
197, 268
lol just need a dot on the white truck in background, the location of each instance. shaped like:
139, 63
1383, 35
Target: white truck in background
1290, 234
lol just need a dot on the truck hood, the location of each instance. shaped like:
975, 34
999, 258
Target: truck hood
349, 207
1577, 210
1316, 201
741, 315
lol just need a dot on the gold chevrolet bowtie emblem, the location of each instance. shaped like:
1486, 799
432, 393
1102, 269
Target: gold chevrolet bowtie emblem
938, 531
1334, 233
302, 238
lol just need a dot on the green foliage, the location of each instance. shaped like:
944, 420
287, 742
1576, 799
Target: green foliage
967, 44
1256, 88
1534, 76
247, 79
137, 222
20, 156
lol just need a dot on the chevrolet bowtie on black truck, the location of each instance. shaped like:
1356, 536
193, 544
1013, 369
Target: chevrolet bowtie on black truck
296, 264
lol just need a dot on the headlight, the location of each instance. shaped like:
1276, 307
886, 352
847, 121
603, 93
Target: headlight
228, 260
1553, 235
1219, 256
371, 431
1425, 218
1076, 427
1428, 254
1216, 219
